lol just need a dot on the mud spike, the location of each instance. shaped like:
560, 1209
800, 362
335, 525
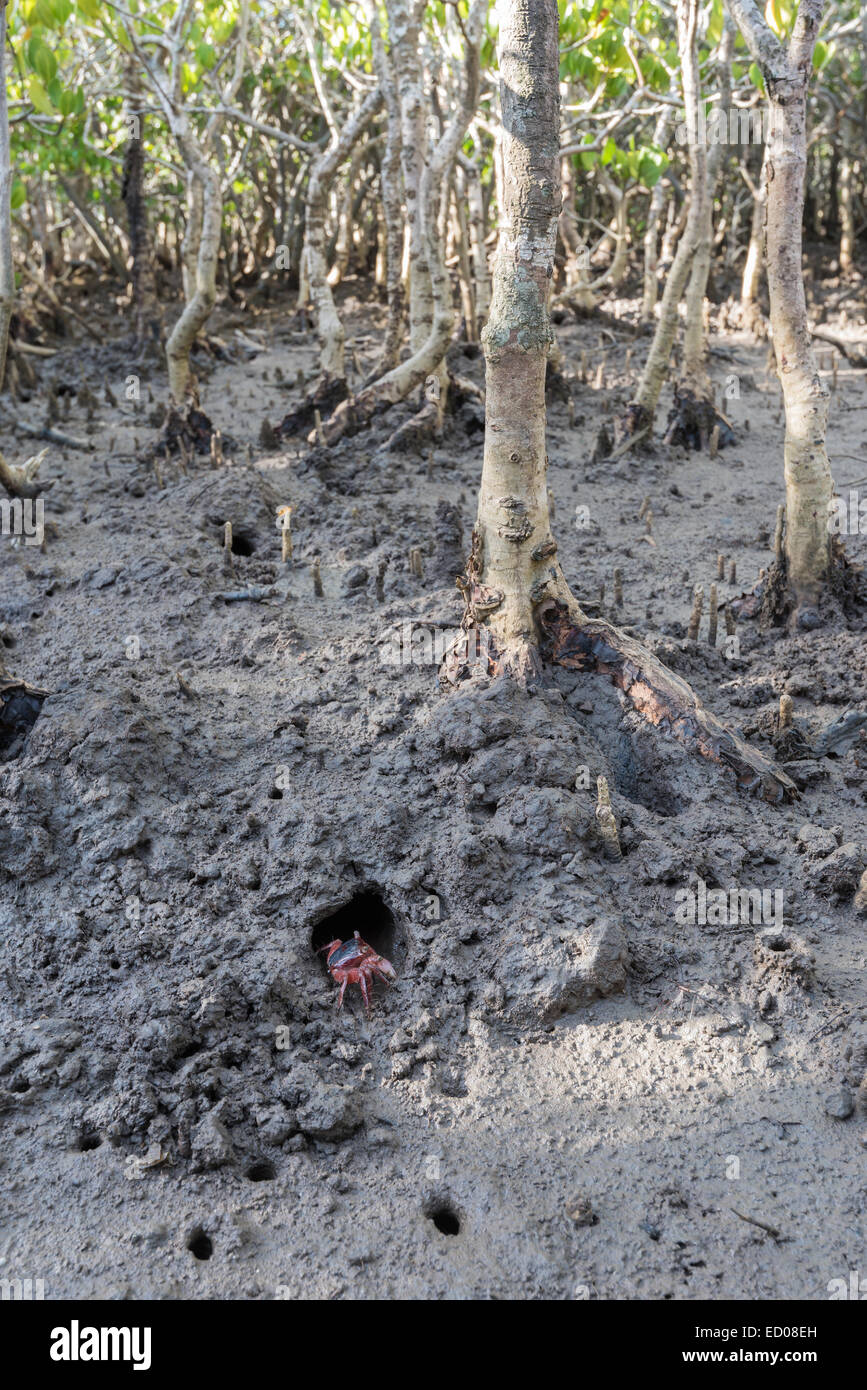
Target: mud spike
695, 615
712, 617
317, 577
787, 710
618, 588
606, 821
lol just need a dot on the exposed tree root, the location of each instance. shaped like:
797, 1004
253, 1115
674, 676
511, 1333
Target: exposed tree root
771, 601
185, 432
632, 429
661, 697
326, 395
413, 434
693, 419
21, 480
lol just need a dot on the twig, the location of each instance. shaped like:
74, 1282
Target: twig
753, 1221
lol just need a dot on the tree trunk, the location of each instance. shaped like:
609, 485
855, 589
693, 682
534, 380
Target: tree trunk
427, 358
143, 282
329, 327
201, 276
809, 485
650, 293
512, 564
392, 201
514, 590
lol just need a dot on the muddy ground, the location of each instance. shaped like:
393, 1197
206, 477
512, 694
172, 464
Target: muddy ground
568, 1093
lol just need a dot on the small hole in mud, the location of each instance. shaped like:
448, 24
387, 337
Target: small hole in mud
445, 1218
263, 1171
275, 794
778, 943
19, 711
243, 541
19, 1087
200, 1244
87, 1142
366, 913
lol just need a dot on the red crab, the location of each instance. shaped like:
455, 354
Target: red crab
356, 963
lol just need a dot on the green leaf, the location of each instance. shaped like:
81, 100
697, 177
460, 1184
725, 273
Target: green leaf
41, 58
39, 96
609, 151
18, 195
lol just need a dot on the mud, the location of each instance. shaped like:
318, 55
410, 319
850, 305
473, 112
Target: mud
570, 1091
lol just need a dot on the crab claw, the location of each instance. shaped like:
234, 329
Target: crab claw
386, 969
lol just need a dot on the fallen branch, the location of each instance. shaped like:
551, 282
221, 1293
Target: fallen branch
69, 441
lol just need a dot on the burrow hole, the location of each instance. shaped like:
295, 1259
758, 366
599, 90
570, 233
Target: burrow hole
443, 1215
200, 1244
244, 540
88, 1141
261, 1171
368, 913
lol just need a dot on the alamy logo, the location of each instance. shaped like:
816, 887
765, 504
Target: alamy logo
717, 907
739, 126
76, 1343
416, 646
21, 1290
22, 516
853, 1289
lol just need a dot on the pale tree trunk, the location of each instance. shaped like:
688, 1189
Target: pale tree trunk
845, 194
391, 198
638, 420
751, 314
426, 359
650, 292
205, 200
583, 291
7, 271
513, 566
515, 592
694, 376
809, 485
404, 30
201, 286
329, 326
478, 250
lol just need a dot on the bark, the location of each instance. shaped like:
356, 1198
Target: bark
329, 328
132, 191
478, 250
514, 589
650, 292
638, 420
845, 192
702, 188
201, 275
392, 201
427, 358
404, 27
7, 271
751, 314
809, 484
